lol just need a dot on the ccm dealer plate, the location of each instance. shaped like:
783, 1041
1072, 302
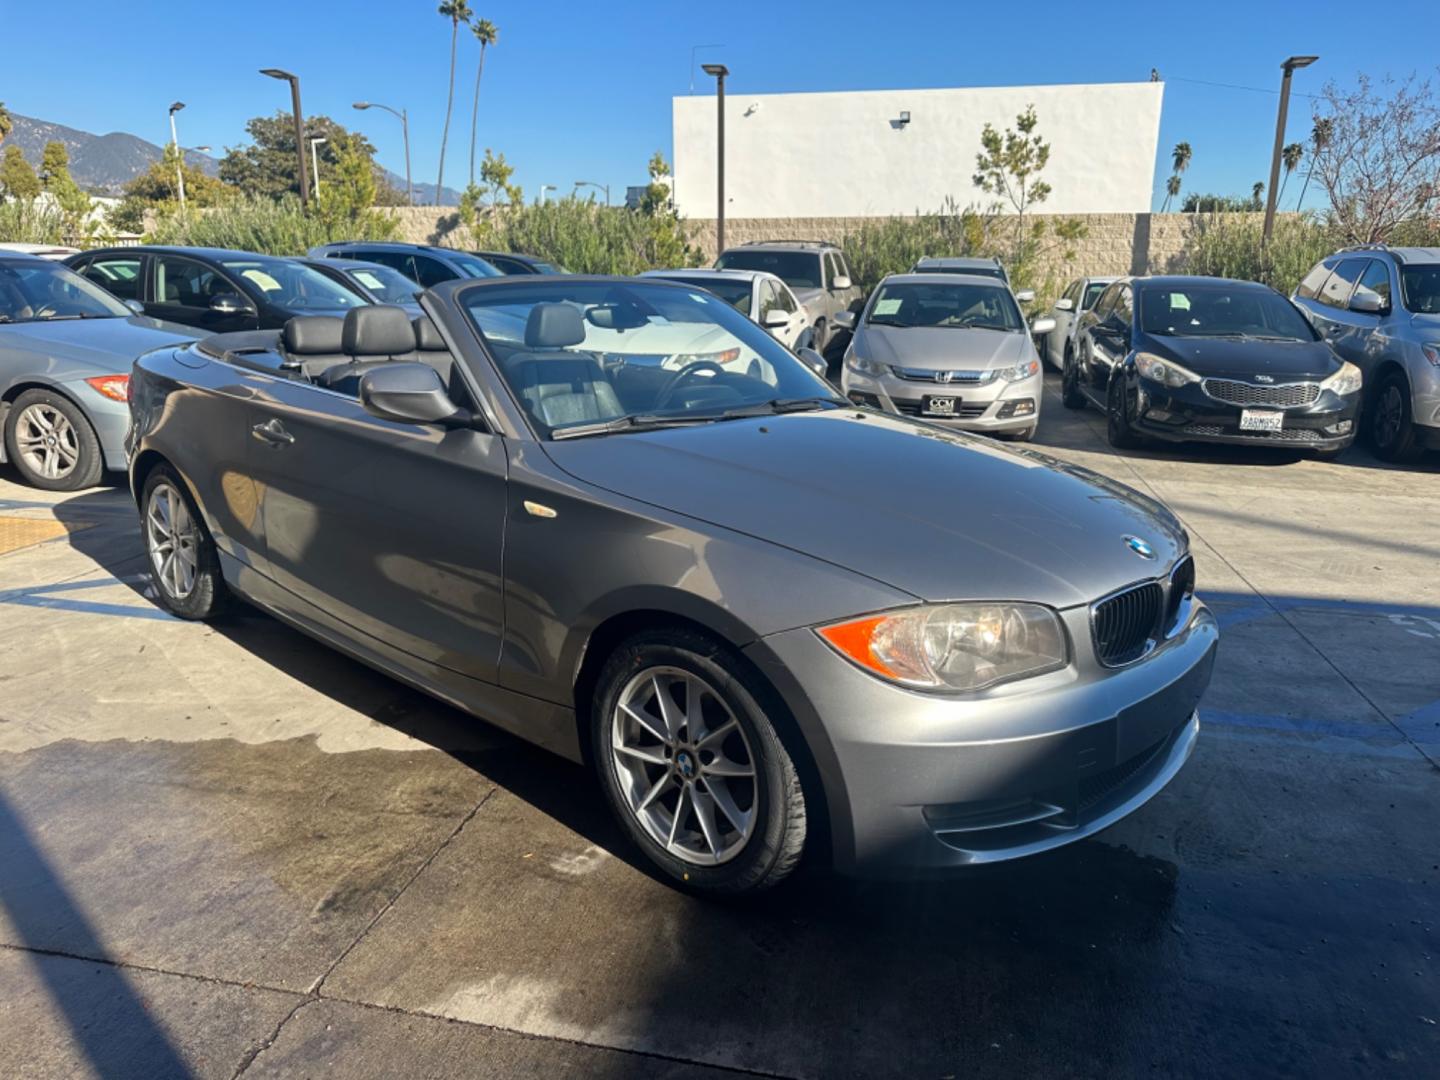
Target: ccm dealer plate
939, 406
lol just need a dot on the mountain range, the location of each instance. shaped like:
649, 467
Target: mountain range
103, 164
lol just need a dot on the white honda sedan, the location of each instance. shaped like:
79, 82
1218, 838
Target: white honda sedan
755, 293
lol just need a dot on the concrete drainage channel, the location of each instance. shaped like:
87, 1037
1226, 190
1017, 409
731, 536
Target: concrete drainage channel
227, 850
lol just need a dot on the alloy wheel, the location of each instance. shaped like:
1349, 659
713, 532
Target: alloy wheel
47, 441
685, 766
173, 539
1389, 416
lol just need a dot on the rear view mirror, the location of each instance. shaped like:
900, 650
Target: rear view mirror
1025, 296
231, 304
135, 305
775, 318
1064, 304
1042, 325
845, 320
840, 282
814, 361
1367, 302
412, 393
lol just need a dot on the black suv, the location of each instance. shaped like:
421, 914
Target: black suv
214, 289
510, 262
425, 263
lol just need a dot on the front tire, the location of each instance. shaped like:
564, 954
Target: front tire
184, 562
1392, 427
692, 766
51, 442
1071, 395
1117, 418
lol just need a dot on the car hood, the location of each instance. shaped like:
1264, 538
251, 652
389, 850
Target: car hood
940, 348
109, 345
938, 514
1284, 361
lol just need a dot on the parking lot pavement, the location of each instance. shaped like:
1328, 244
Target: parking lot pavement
225, 849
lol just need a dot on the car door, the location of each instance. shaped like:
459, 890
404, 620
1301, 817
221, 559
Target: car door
1104, 342
123, 276
784, 299
183, 290
1331, 301
1358, 335
390, 531
847, 296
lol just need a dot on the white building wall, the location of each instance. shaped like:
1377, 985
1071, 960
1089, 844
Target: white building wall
845, 155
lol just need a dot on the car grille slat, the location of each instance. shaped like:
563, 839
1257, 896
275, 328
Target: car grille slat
1286, 435
1182, 587
1234, 392
1124, 625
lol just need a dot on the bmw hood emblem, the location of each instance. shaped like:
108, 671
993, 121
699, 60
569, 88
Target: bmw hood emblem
1139, 547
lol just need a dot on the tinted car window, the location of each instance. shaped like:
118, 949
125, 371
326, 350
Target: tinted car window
1092, 293
798, 269
430, 271
1124, 310
1376, 282
1221, 311
391, 286
1310, 286
35, 291
906, 304
188, 283
1420, 288
1106, 301
119, 274
291, 285
1336, 290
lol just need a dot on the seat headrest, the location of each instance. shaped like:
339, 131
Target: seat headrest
377, 330
312, 335
427, 337
554, 326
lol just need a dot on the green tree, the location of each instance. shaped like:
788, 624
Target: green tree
1009, 167
1172, 189
1320, 136
156, 189
268, 167
54, 165
347, 200
16, 175
485, 33
457, 11
1257, 195
1180, 157
6, 124
1290, 157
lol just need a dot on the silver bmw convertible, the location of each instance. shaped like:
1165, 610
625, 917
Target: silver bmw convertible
774, 623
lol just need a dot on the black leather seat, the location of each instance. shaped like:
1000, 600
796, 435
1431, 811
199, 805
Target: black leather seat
369, 336
558, 386
312, 343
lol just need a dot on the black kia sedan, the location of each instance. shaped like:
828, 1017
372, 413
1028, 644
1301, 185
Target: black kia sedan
215, 289
1200, 359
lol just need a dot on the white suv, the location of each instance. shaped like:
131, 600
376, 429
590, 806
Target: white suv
1379, 308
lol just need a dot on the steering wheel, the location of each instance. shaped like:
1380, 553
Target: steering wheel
677, 380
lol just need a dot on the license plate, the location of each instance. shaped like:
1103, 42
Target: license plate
939, 406
1260, 420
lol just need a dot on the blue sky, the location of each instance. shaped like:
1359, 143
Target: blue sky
582, 91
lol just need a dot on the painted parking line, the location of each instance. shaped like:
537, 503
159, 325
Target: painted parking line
45, 596
1233, 609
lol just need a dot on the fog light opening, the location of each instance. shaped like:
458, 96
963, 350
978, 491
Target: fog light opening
1011, 409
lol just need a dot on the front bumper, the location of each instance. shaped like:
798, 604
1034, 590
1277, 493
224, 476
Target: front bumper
916, 782
997, 407
1191, 415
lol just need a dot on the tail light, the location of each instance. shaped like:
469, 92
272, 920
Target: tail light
114, 387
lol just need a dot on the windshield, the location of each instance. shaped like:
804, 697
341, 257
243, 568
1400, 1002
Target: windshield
472, 266
578, 354
910, 303
983, 270
734, 293
387, 285
290, 285
798, 269
1218, 311
39, 291
1420, 289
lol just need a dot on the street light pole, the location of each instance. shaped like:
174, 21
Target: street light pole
1289, 67
179, 156
543, 189
404, 119
315, 162
719, 71
598, 187
294, 81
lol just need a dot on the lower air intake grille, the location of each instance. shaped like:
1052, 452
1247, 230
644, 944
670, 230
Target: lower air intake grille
1125, 625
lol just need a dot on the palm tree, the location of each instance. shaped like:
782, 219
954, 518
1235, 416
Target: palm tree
6, 124
1256, 192
1172, 188
1319, 140
1182, 155
485, 33
1290, 158
457, 11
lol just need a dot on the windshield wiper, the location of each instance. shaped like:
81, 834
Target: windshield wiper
889, 322
633, 422
776, 406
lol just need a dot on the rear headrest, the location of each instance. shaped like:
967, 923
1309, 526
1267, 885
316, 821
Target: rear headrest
427, 337
554, 326
313, 335
377, 330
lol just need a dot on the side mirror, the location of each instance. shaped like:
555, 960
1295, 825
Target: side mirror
135, 305
775, 318
230, 304
1064, 304
1025, 296
1367, 302
409, 392
1042, 325
814, 361
840, 281
845, 320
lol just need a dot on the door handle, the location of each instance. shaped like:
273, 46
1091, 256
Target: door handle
272, 432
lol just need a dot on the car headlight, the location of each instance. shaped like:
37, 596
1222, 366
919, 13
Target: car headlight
1022, 370
728, 356
1165, 372
967, 646
1345, 381
868, 367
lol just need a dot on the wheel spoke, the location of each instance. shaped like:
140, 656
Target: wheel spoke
738, 818
718, 734
679, 813
674, 719
705, 813
645, 721
651, 757
728, 769
666, 778
694, 711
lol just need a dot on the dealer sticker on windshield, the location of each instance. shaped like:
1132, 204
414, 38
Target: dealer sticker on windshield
1260, 420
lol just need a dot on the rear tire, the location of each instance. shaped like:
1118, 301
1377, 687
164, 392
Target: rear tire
1390, 424
705, 754
1117, 419
51, 442
183, 560
1071, 396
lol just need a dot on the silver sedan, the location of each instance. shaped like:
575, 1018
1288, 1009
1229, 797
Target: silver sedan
951, 348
